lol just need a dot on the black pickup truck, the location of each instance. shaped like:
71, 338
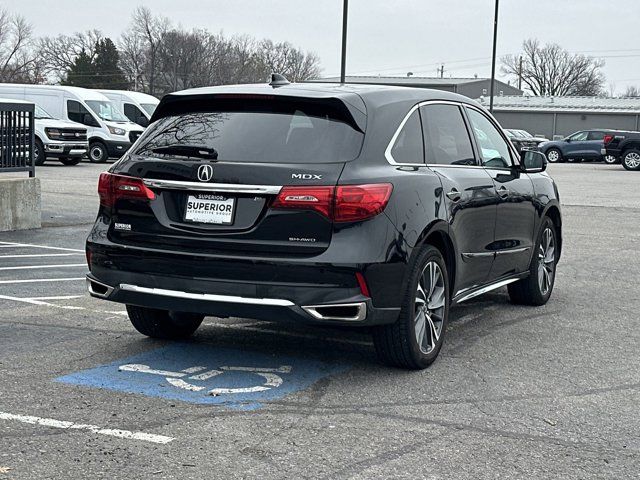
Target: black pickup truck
626, 147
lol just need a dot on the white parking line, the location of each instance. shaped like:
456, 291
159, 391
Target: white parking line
38, 280
50, 422
29, 245
61, 297
42, 255
33, 267
33, 301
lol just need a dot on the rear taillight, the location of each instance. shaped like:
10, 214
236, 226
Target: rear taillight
359, 202
319, 199
607, 138
362, 283
115, 187
345, 203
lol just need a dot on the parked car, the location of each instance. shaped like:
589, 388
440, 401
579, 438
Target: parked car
520, 142
582, 145
524, 134
357, 205
109, 132
136, 106
625, 146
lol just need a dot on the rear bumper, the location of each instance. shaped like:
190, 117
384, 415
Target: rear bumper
302, 304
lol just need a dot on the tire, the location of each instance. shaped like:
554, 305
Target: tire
98, 152
537, 287
70, 161
162, 323
39, 156
610, 159
631, 160
554, 156
397, 344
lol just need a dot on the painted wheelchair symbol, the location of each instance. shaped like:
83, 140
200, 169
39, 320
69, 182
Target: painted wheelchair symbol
199, 374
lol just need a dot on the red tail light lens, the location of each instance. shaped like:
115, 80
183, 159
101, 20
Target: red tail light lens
607, 138
319, 199
114, 187
359, 202
362, 283
347, 203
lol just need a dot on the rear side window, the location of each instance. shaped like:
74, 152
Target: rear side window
408, 147
596, 136
446, 138
259, 132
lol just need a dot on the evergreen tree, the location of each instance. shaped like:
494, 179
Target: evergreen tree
107, 70
81, 73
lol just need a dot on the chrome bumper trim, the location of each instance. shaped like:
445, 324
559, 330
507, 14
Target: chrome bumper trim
207, 297
91, 282
212, 187
361, 306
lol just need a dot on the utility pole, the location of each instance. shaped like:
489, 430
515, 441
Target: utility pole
343, 60
520, 74
441, 71
493, 61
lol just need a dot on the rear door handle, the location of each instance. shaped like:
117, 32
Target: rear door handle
454, 195
503, 192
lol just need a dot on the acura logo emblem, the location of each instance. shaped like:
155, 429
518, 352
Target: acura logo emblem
205, 173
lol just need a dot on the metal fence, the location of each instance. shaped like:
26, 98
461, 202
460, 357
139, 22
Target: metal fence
16, 137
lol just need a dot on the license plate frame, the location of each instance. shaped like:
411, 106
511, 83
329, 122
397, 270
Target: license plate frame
212, 216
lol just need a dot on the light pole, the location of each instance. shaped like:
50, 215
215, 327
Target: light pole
343, 60
493, 59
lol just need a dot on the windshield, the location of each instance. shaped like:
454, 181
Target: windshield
106, 111
261, 137
149, 107
41, 113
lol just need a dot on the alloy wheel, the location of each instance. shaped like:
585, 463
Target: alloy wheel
632, 160
610, 159
546, 261
553, 156
429, 307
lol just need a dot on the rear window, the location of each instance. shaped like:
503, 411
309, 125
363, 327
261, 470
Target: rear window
271, 132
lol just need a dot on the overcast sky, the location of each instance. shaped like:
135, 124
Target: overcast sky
388, 37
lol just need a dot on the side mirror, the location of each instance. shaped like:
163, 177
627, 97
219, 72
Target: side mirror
532, 161
568, 139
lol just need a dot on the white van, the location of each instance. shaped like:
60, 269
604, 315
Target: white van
61, 139
109, 132
137, 107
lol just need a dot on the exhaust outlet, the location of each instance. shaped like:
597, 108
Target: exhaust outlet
347, 312
98, 289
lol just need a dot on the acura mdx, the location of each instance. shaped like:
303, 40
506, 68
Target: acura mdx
363, 205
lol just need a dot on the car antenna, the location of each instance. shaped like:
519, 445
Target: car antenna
278, 80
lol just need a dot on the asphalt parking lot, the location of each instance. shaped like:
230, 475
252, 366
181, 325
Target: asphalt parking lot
517, 392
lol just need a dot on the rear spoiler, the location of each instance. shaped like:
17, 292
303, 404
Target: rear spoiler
333, 107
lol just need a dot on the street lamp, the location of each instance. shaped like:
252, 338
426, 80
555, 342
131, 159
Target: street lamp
343, 60
493, 59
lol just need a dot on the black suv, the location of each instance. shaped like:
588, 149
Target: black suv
333, 204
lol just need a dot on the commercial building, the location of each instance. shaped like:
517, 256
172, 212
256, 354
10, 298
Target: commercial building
561, 116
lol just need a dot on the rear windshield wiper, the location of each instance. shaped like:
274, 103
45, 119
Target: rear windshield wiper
187, 151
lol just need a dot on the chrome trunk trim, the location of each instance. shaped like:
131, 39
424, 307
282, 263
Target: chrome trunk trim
212, 187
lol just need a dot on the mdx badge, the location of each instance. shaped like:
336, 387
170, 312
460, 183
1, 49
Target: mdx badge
205, 173
306, 176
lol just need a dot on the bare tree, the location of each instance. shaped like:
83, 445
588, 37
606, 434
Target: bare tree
59, 53
18, 61
551, 70
150, 30
631, 91
293, 63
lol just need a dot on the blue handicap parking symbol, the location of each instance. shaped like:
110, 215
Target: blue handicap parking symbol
205, 374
